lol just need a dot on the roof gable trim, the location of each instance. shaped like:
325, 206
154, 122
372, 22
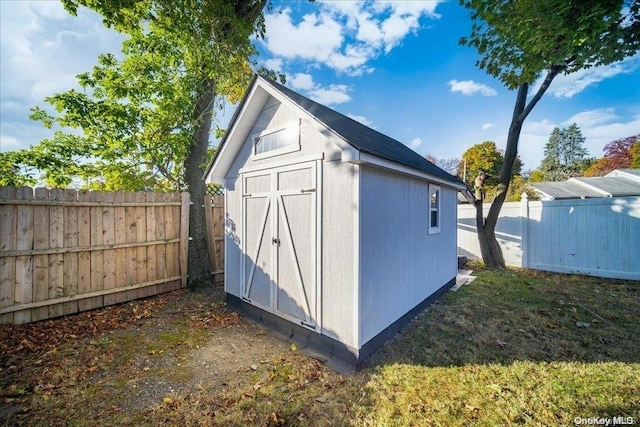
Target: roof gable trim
368, 159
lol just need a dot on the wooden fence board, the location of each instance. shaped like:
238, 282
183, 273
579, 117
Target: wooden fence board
84, 258
141, 251
161, 266
130, 237
56, 240
40, 262
8, 218
120, 254
214, 214
218, 233
70, 259
64, 251
24, 264
109, 255
97, 257
150, 213
184, 237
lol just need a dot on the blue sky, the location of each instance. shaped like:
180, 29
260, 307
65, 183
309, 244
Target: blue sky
393, 65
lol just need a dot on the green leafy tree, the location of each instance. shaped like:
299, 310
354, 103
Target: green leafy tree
522, 40
484, 157
635, 155
617, 155
518, 187
564, 154
145, 120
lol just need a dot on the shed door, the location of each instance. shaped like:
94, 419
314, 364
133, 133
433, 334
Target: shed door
280, 245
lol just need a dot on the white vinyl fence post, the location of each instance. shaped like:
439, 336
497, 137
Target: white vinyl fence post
524, 229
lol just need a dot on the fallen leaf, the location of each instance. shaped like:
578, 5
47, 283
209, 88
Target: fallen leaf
294, 347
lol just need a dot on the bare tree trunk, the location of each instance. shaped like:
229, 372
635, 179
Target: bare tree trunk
198, 267
489, 246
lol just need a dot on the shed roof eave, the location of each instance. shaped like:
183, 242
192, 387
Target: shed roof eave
368, 159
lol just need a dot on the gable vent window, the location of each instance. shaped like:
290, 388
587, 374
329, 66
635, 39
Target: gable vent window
434, 209
278, 140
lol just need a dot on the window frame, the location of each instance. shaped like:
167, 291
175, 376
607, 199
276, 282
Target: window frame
437, 209
255, 138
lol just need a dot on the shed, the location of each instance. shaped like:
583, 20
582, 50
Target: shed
335, 234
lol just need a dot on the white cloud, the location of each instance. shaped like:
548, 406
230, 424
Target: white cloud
469, 87
566, 86
543, 127
415, 143
592, 117
486, 126
42, 49
602, 126
9, 143
334, 94
315, 38
345, 35
274, 64
362, 119
302, 81
330, 95
599, 127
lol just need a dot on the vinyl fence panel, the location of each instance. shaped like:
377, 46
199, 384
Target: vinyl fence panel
598, 237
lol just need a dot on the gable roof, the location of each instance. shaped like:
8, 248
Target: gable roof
360, 137
612, 185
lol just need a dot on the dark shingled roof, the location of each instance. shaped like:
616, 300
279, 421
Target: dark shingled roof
364, 138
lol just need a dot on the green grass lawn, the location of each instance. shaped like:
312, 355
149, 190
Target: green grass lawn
515, 347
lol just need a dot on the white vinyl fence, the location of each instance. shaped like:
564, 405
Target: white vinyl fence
597, 237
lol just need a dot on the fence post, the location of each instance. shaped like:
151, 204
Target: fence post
211, 245
524, 229
184, 236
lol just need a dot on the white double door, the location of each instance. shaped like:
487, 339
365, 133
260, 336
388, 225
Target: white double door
280, 241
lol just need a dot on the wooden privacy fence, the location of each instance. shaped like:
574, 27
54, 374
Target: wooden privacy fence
64, 251
597, 237
214, 214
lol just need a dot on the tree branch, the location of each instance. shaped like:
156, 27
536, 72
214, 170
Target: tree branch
551, 74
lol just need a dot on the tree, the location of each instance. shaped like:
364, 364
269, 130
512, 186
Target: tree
564, 154
617, 155
449, 165
485, 157
146, 119
635, 155
522, 40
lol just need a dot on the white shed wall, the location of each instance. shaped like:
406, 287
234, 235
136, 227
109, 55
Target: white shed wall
232, 232
275, 114
401, 263
338, 212
339, 262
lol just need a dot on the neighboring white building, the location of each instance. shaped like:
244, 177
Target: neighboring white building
618, 183
336, 234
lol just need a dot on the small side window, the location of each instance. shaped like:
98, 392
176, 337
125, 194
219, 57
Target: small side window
280, 140
434, 209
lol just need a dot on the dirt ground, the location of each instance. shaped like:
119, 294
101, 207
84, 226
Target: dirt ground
119, 363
